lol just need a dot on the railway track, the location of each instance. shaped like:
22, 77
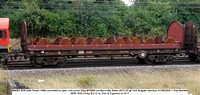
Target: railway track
100, 62
86, 68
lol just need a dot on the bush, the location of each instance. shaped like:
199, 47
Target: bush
86, 81
87, 18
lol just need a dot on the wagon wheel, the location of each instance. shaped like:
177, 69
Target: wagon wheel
38, 62
141, 60
62, 62
5, 61
1, 63
169, 60
147, 61
192, 57
37, 65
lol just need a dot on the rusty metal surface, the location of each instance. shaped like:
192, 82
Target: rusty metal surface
74, 39
158, 39
136, 40
81, 41
65, 41
190, 36
24, 37
110, 40
170, 41
127, 40
149, 40
42, 51
104, 46
175, 31
31, 41
35, 41
120, 41
141, 38
97, 41
100, 52
57, 40
43, 41
89, 40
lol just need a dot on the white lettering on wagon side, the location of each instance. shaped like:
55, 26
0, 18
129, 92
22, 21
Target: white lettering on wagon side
81, 52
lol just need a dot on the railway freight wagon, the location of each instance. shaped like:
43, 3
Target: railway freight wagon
180, 40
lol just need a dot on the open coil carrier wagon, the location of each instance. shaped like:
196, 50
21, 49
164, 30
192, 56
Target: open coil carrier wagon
180, 39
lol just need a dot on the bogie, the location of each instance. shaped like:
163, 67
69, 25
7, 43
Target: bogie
192, 57
41, 61
150, 59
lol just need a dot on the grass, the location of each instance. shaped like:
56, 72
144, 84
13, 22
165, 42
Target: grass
3, 82
140, 80
86, 81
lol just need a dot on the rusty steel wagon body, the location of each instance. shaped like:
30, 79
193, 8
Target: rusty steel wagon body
180, 39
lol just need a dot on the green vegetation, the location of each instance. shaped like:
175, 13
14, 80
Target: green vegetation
156, 79
98, 18
3, 82
86, 81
